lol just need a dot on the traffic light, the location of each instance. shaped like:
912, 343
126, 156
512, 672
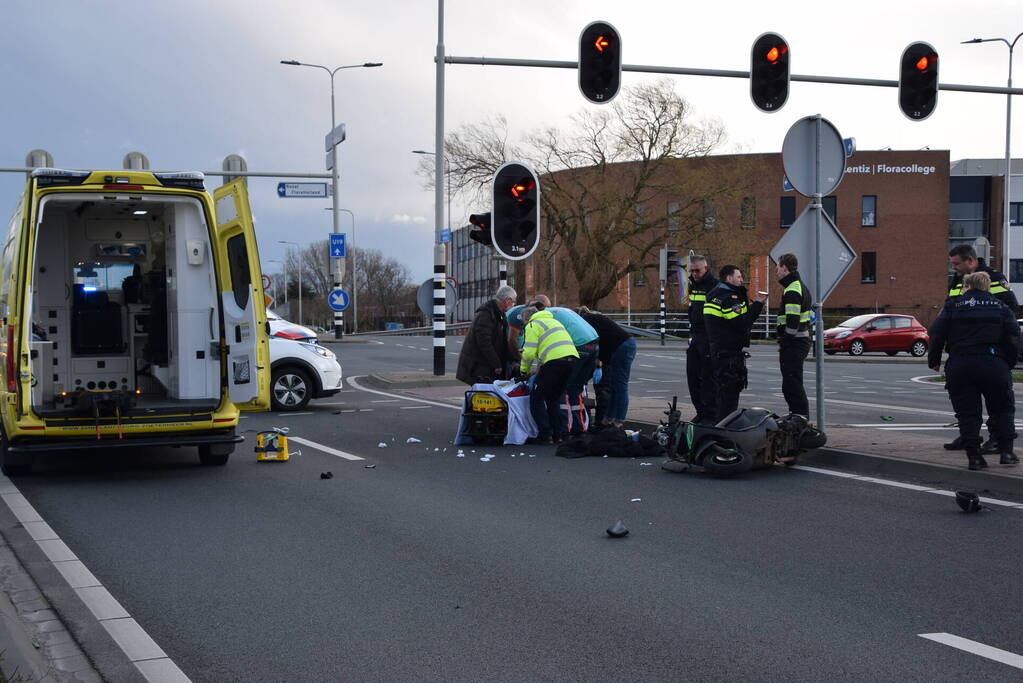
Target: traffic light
769, 72
918, 81
481, 233
600, 62
515, 230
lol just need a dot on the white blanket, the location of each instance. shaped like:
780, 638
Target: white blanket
520, 420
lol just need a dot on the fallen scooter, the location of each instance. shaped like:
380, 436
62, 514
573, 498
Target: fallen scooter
749, 438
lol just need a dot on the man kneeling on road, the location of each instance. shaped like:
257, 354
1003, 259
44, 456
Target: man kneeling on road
983, 338
549, 344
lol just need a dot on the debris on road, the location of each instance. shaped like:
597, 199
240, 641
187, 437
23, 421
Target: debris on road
413, 439
370, 467
326, 475
887, 418
968, 501
617, 530
645, 464
635, 500
381, 445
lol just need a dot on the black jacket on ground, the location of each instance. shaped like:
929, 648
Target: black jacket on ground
698, 290
974, 323
486, 346
610, 333
729, 317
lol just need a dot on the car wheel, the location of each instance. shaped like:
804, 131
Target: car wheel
212, 457
13, 465
919, 348
290, 389
857, 347
892, 353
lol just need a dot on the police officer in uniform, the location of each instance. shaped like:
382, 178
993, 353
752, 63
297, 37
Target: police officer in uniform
793, 333
699, 370
729, 317
982, 337
963, 260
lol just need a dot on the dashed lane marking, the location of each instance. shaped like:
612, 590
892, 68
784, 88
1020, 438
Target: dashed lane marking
974, 648
325, 449
415, 407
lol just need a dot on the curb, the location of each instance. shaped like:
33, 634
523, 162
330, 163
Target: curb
920, 471
378, 382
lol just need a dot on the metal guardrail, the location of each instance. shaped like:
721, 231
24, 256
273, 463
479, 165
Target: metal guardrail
638, 324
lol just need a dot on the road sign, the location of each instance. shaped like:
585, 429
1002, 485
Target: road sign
786, 186
288, 190
445, 236
337, 245
337, 299
799, 154
424, 297
837, 256
267, 281
850, 147
334, 137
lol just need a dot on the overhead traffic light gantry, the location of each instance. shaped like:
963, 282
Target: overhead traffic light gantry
918, 81
515, 227
600, 62
769, 72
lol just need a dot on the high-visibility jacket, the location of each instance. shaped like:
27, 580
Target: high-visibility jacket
999, 288
698, 290
546, 340
729, 317
794, 314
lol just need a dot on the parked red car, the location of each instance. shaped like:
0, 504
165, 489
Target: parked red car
878, 332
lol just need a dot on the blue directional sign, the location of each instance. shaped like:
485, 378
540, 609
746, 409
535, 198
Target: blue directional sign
850, 146
337, 299
337, 245
445, 236
302, 190
786, 185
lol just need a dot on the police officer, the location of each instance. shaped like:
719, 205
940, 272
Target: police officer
699, 370
793, 333
982, 337
729, 317
963, 260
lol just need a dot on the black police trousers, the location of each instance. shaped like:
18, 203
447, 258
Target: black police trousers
968, 378
700, 377
730, 380
791, 354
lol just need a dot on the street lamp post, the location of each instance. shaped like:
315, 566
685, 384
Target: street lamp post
1008, 156
296, 245
335, 269
355, 276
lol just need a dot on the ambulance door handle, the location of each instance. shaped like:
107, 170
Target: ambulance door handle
212, 336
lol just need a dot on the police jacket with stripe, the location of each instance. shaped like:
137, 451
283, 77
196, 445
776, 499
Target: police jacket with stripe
698, 290
974, 323
546, 340
999, 287
794, 312
729, 317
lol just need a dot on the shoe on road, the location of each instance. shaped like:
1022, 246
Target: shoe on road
1008, 458
990, 447
956, 445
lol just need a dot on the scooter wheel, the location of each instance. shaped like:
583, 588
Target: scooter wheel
725, 461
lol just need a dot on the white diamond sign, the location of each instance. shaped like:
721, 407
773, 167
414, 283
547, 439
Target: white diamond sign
837, 256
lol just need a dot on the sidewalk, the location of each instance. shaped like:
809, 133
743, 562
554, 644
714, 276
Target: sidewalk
901, 454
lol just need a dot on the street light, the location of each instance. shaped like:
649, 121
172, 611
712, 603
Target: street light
1008, 156
338, 322
355, 277
296, 244
283, 266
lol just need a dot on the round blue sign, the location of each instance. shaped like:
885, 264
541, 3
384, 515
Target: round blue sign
338, 299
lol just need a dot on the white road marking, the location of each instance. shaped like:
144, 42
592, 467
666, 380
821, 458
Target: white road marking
354, 383
904, 409
325, 449
385, 400
414, 408
974, 648
291, 414
647, 366
151, 661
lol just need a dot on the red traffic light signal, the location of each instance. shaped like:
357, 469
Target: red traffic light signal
600, 62
515, 226
481, 233
918, 81
769, 72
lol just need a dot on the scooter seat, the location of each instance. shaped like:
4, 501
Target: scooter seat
744, 419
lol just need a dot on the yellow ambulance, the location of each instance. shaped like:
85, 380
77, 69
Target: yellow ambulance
131, 315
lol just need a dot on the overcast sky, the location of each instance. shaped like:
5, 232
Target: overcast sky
188, 82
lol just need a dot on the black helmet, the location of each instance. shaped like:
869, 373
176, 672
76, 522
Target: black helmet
969, 502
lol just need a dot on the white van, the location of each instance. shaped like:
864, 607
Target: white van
131, 315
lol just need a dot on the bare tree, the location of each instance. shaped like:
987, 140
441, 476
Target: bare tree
602, 177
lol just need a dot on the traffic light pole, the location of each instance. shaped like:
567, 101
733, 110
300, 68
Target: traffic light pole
502, 272
724, 73
818, 304
439, 274
662, 313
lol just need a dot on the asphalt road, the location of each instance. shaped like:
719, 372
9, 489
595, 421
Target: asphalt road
416, 564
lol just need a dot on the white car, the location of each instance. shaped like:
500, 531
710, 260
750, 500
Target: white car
279, 327
300, 371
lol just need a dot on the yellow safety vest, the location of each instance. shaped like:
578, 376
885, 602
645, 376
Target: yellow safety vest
546, 340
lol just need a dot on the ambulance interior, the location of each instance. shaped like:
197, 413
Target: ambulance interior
124, 300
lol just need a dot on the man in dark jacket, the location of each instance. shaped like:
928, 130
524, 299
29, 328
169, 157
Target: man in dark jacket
982, 337
793, 333
699, 369
484, 353
729, 317
963, 260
